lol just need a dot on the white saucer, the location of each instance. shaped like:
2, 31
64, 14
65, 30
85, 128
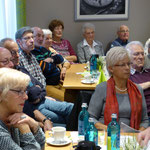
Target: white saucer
87, 81
61, 143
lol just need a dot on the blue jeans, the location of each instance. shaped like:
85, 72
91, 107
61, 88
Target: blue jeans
58, 111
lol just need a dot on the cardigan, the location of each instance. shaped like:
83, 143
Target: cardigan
84, 54
13, 140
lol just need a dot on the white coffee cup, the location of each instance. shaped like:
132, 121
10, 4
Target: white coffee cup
58, 133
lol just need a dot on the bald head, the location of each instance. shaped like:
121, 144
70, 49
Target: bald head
38, 36
5, 58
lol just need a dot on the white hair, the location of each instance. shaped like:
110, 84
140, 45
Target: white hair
88, 26
129, 46
47, 31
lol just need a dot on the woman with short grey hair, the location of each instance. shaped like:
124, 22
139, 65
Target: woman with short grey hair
111, 58
17, 130
118, 95
88, 45
88, 26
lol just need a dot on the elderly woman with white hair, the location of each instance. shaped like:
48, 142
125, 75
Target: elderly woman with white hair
47, 43
119, 95
17, 130
88, 45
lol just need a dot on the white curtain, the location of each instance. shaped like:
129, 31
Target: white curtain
8, 24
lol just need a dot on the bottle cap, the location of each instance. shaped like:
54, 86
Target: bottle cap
114, 116
84, 105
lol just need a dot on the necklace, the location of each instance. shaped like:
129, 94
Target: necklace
120, 89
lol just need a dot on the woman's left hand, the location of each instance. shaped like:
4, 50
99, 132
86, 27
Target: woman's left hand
21, 118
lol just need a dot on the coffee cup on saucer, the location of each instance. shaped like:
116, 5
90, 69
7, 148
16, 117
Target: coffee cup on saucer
88, 77
58, 133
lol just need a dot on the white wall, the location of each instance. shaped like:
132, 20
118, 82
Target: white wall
41, 12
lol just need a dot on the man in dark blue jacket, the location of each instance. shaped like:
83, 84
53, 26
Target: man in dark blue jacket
48, 61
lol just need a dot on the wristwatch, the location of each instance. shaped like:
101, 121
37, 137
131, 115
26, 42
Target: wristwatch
46, 119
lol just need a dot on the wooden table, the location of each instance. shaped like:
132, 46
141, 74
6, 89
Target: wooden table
69, 146
73, 80
50, 147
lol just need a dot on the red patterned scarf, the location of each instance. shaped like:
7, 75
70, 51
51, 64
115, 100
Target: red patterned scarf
111, 105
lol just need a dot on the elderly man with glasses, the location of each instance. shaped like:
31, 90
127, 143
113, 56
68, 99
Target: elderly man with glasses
139, 74
123, 36
24, 38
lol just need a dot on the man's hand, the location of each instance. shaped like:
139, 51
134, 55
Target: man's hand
49, 60
63, 73
48, 125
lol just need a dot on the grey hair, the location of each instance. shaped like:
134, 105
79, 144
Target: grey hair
129, 46
2, 42
88, 26
115, 55
47, 31
118, 29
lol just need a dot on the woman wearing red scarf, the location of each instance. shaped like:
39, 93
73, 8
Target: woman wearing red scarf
119, 95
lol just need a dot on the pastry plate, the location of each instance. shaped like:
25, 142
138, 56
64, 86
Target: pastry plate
84, 81
60, 143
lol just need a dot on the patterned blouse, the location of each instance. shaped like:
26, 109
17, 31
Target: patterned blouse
64, 48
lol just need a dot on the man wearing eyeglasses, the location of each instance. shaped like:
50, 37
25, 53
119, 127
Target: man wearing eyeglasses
123, 37
139, 74
58, 111
24, 38
5, 58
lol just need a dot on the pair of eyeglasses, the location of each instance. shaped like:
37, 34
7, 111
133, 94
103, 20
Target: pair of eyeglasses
28, 38
138, 53
123, 31
19, 92
39, 35
7, 61
123, 65
13, 53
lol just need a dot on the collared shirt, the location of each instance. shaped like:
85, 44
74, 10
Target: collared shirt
118, 42
92, 49
142, 77
29, 62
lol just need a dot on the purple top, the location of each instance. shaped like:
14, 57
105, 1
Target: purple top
64, 48
141, 77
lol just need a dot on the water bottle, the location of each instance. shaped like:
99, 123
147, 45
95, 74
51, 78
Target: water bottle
83, 121
91, 132
113, 134
93, 65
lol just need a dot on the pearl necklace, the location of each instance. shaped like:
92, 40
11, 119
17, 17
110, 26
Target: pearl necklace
120, 89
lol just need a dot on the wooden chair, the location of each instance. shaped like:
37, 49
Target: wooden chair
60, 93
56, 91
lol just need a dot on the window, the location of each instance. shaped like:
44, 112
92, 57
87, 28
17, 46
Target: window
8, 25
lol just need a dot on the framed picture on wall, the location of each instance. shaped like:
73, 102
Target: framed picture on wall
101, 9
